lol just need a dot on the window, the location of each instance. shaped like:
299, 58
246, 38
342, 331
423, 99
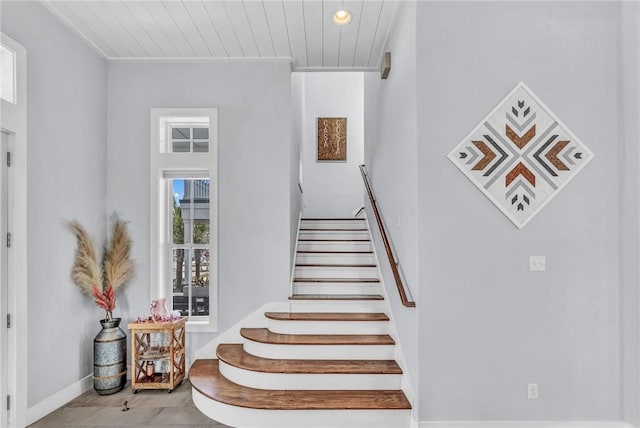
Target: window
7, 74
189, 245
184, 216
189, 139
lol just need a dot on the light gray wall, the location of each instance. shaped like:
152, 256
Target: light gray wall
254, 116
488, 326
390, 156
66, 131
333, 189
629, 92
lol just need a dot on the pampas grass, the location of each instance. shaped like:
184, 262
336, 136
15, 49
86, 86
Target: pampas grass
118, 266
102, 280
86, 272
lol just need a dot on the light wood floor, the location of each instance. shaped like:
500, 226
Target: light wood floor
157, 409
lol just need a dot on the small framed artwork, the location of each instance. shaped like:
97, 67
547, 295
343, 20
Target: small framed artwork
332, 139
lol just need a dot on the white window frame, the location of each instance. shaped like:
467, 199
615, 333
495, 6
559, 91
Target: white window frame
165, 164
9, 81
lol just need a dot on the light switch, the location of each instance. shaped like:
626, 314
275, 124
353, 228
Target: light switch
537, 263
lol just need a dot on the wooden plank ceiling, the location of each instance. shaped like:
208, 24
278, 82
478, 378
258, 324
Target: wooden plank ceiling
302, 30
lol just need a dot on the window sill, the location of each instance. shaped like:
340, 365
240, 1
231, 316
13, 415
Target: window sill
202, 326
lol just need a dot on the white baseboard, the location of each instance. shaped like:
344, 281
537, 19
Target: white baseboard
524, 424
59, 399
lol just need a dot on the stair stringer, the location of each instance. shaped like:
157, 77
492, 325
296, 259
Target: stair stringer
393, 331
295, 255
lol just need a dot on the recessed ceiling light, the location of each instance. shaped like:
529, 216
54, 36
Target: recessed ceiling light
342, 17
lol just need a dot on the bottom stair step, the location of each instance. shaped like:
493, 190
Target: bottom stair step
205, 377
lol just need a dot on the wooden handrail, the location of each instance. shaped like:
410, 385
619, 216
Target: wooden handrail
387, 245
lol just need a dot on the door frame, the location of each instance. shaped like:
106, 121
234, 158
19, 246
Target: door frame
4, 275
14, 121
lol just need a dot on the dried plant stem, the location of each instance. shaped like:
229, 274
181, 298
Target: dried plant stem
102, 281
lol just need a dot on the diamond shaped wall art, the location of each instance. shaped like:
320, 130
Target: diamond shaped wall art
520, 156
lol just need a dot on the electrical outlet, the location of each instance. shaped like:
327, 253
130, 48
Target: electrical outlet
537, 263
532, 391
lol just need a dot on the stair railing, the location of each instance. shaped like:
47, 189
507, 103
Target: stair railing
387, 244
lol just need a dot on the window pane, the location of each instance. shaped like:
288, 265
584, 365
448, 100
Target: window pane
7, 74
191, 298
181, 133
195, 211
200, 133
201, 146
200, 282
190, 225
181, 146
177, 227
201, 232
180, 258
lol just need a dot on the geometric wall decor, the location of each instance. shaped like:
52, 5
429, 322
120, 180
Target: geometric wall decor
520, 155
332, 138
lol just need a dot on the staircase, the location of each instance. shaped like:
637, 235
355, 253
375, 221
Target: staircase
324, 359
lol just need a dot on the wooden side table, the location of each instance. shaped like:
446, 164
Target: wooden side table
157, 354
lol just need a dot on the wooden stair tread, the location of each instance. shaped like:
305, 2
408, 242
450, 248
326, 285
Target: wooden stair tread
335, 265
206, 378
334, 240
316, 229
264, 335
333, 252
235, 355
326, 316
333, 219
350, 280
336, 297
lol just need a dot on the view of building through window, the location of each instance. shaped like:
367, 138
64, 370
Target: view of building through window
190, 249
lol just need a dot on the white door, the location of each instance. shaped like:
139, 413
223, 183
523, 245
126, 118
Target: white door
13, 219
4, 280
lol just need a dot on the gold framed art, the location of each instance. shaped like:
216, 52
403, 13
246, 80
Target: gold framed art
332, 139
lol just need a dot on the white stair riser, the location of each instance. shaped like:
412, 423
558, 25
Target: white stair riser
320, 352
335, 306
333, 224
245, 417
335, 289
335, 258
323, 381
334, 246
329, 327
335, 272
334, 234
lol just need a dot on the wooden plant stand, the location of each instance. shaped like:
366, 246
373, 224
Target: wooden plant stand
157, 354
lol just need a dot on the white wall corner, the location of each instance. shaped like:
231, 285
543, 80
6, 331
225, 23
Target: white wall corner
524, 424
414, 422
59, 399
